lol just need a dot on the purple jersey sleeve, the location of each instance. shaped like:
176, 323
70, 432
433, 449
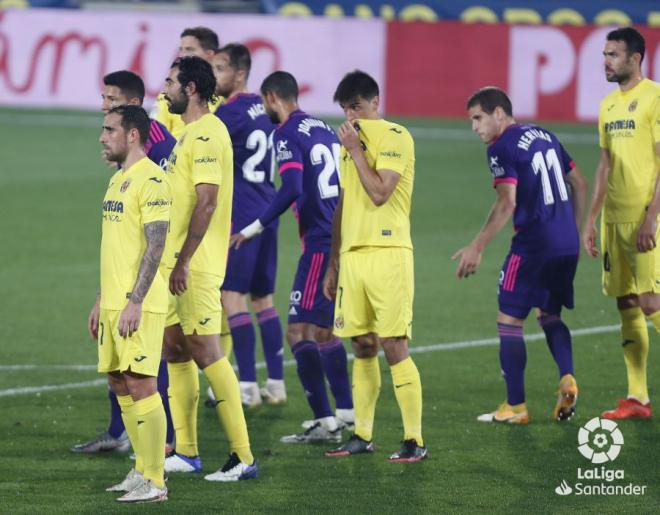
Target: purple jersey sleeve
290, 190
159, 144
502, 166
288, 154
566, 159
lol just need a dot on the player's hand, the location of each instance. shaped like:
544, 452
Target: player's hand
129, 320
330, 283
349, 137
470, 261
93, 320
589, 239
179, 279
646, 234
236, 240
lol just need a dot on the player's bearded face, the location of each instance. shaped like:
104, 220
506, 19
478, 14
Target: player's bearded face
113, 139
224, 75
274, 117
619, 66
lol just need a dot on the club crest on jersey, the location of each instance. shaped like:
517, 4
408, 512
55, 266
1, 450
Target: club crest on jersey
339, 322
124, 185
632, 106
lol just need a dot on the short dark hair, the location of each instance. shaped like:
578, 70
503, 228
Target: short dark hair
632, 38
356, 84
283, 84
129, 83
207, 38
490, 98
197, 70
134, 117
239, 56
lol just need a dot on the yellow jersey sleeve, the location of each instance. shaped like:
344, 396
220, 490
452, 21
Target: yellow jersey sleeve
207, 158
395, 150
655, 119
155, 200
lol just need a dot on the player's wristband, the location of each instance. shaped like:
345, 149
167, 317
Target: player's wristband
253, 229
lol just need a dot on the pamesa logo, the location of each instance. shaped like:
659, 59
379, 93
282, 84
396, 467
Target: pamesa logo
600, 441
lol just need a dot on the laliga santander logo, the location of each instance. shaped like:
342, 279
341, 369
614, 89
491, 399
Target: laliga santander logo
600, 440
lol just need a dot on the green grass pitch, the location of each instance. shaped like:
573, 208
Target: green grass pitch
51, 185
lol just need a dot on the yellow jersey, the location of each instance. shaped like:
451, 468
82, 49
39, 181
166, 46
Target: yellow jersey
174, 122
388, 146
629, 128
203, 155
135, 197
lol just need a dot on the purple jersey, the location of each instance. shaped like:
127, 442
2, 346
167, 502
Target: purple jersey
308, 146
159, 144
532, 158
250, 130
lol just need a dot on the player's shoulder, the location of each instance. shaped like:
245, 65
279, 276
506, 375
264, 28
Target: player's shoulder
610, 99
146, 168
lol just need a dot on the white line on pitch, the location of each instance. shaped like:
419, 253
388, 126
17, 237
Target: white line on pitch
437, 347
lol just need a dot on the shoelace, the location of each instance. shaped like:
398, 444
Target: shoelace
233, 461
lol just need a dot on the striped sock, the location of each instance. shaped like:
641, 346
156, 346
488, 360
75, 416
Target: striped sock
242, 332
513, 358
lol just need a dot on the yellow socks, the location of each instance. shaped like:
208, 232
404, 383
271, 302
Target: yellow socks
130, 423
366, 388
226, 341
184, 397
151, 428
635, 341
223, 381
408, 392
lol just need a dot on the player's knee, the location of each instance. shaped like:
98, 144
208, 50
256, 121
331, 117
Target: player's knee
324, 336
175, 349
117, 383
649, 303
233, 302
261, 303
395, 349
294, 334
627, 302
365, 346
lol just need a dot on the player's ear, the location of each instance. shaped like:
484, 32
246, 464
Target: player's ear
375, 102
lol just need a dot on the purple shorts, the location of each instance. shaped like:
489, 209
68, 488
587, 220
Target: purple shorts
307, 304
252, 268
528, 282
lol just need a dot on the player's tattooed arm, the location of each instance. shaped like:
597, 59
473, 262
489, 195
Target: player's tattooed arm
155, 233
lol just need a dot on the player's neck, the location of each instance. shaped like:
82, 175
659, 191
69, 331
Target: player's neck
133, 156
286, 110
194, 111
238, 91
632, 81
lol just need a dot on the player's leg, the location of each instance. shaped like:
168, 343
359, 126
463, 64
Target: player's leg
301, 338
183, 392
556, 291
621, 264
163, 386
140, 356
241, 264
353, 317
200, 313
243, 335
115, 437
274, 391
262, 289
335, 366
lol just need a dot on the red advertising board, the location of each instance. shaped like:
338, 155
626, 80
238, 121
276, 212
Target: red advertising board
551, 73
